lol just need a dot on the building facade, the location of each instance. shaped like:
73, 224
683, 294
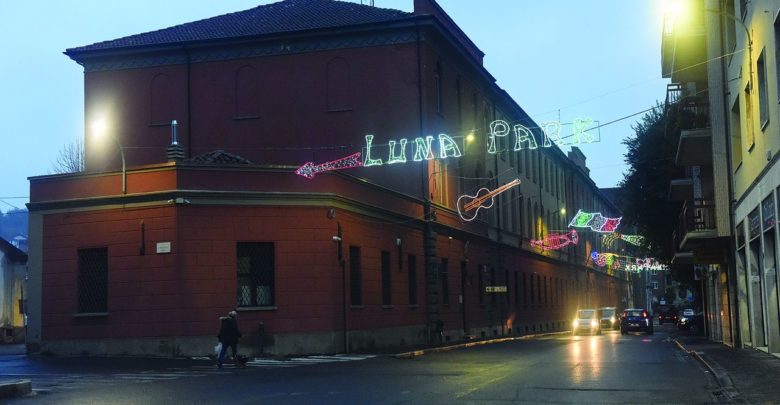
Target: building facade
197, 198
740, 41
13, 276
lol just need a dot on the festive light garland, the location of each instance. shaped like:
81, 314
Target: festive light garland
609, 239
551, 130
468, 205
605, 259
556, 241
308, 170
595, 221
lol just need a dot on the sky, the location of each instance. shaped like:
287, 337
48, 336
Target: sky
558, 59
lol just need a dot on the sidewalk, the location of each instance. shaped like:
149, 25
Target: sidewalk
745, 375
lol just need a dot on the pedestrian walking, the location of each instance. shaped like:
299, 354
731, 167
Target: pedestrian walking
228, 336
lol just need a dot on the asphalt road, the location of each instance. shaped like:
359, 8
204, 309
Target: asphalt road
558, 369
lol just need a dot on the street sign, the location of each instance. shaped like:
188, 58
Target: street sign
496, 288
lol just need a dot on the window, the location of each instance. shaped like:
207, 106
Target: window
255, 274
445, 282
735, 123
749, 118
539, 289
438, 80
355, 287
460, 104
655, 285
93, 280
162, 100
412, 267
516, 287
247, 93
532, 290
338, 91
546, 295
763, 89
525, 293
481, 284
387, 292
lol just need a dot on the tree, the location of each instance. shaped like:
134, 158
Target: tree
650, 158
70, 158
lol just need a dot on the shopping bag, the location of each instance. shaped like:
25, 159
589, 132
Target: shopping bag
218, 349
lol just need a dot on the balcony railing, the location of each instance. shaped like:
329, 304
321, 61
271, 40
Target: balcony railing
697, 215
692, 109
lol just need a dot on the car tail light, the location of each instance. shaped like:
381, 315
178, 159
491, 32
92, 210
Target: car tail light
644, 314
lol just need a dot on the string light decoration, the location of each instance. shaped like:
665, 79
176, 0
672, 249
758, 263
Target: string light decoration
468, 205
556, 241
552, 134
423, 150
605, 259
308, 170
595, 221
609, 239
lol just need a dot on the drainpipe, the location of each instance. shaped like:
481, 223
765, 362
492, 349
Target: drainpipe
732, 265
429, 236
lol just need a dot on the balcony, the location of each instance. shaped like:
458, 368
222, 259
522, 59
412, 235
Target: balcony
683, 46
696, 237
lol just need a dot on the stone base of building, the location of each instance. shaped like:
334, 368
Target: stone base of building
250, 345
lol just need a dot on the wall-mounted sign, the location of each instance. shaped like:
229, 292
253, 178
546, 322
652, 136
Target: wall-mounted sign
495, 289
163, 247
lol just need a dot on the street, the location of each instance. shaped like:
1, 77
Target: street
609, 368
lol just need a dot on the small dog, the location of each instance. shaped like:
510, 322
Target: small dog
240, 361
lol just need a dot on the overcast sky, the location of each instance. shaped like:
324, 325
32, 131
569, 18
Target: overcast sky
559, 60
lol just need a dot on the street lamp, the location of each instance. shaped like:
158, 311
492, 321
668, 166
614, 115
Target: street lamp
100, 129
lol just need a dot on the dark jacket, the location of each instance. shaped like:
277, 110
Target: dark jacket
228, 331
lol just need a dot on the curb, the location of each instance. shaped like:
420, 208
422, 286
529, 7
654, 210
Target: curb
13, 389
723, 380
416, 353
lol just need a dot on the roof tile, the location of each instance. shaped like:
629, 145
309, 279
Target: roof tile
274, 18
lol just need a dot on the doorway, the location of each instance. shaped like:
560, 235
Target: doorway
770, 292
755, 294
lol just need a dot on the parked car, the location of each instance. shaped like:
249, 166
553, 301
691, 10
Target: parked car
690, 319
586, 320
669, 315
636, 320
608, 318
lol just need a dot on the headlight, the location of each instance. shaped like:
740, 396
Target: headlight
593, 323
576, 323
612, 320
683, 319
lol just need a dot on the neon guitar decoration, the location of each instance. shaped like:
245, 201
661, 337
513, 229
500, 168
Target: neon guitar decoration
468, 205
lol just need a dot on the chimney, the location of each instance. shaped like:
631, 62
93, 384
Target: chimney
175, 152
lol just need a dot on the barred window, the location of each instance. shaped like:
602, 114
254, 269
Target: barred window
412, 264
445, 282
355, 287
387, 292
93, 280
255, 274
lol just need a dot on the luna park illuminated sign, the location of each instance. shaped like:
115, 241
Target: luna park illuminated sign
444, 146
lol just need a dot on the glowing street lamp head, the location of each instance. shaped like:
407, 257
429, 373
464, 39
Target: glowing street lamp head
99, 127
470, 137
563, 211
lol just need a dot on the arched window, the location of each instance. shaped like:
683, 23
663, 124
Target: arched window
247, 93
339, 85
161, 103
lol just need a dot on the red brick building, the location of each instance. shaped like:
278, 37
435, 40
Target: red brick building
142, 252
